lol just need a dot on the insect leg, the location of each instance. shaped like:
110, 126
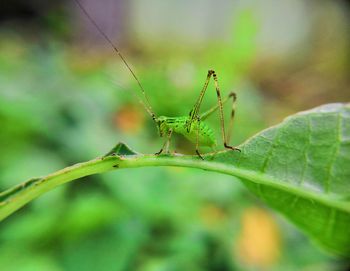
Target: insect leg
194, 112
215, 107
194, 116
166, 143
197, 139
233, 111
222, 114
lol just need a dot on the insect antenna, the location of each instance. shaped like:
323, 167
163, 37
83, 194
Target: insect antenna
147, 104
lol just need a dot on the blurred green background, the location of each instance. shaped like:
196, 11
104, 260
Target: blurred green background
65, 98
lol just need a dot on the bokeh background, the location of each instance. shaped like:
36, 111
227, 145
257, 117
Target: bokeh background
66, 98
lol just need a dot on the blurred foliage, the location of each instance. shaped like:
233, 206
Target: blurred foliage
61, 104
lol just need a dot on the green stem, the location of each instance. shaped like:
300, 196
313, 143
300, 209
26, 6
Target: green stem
16, 197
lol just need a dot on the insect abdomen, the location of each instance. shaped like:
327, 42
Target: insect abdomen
206, 134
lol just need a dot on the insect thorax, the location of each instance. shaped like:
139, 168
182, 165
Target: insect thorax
179, 125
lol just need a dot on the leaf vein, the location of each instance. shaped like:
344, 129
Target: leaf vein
327, 182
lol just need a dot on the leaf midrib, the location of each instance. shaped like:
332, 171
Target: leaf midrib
264, 179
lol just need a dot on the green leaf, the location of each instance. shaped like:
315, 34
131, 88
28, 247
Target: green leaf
300, 167
119, 150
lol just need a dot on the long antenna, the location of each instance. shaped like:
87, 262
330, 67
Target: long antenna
147, 106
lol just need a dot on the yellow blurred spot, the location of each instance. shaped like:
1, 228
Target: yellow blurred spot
129, 119
259, 242
212, 215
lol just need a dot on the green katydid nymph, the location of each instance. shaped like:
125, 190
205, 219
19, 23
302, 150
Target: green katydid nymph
191, 126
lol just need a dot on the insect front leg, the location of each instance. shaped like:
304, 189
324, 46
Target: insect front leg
166, 143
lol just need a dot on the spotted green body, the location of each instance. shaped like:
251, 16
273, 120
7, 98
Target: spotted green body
180, 125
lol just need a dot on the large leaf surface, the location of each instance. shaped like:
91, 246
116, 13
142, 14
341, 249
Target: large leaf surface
301, 167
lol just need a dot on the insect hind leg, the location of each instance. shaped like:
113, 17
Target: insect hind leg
234, 97
197, 139
194, 113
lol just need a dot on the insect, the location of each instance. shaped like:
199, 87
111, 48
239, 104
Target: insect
191, 126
